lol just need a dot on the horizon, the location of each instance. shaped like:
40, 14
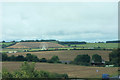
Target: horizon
62, 40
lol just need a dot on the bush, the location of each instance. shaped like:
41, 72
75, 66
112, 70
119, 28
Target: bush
5, 57
6, 74
114, 57
20, 58
97, 58
28, 71
82, 60
54, 59
43, 60
30, 57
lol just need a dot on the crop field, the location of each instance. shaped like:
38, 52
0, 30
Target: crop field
101, 45
36, 45
73, 71
66, 54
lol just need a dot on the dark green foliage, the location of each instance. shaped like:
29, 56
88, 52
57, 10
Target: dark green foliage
43, 60
82, 60
28, 71
12, 58
114, 57
5, 57
6, 74
97, 58
20, 58
54, 59
30, 57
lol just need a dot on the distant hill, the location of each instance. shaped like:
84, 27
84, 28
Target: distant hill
36, 45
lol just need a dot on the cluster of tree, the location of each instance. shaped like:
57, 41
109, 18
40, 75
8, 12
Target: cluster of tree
30, 58
85, 59
71, 42
114, 57
37, 40
28, 71
117, 41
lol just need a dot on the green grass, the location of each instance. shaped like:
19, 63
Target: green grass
7, 43
101, 45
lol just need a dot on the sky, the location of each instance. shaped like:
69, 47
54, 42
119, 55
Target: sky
65, 21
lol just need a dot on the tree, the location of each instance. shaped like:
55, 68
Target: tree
54, 59
27, 70
114, 57
82, 60
31, 57
97, 58
43, 60
5, 57
12, 58
20, 58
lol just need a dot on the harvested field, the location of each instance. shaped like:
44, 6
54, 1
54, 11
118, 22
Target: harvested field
66, 54
36, 45
71, 70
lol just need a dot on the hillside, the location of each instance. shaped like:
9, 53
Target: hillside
66, 54
36, 45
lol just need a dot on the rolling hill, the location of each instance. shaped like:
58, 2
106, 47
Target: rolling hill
36, 45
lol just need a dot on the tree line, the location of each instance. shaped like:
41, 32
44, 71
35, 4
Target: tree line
114, 58
79, 60
29, 57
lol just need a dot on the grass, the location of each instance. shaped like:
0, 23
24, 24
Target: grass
66, 54
73, 71
6, 43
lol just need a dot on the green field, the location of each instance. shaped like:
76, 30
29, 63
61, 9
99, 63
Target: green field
6, 43
76, 46
93, 45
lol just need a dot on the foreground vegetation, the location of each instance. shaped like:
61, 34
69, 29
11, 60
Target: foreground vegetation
28, 71
73, 71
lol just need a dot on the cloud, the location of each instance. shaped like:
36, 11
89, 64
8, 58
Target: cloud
64, 21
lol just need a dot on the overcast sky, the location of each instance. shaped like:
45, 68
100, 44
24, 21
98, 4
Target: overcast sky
88, 21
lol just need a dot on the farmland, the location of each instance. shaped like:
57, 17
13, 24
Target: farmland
71, 70
66, 54
36, 45
51, 46
101, 45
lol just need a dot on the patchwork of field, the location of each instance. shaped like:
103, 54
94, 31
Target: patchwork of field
101, 45
73, 71
68, 55
36, 45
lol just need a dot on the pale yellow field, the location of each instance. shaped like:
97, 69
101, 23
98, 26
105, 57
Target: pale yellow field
72, 70
66, 54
